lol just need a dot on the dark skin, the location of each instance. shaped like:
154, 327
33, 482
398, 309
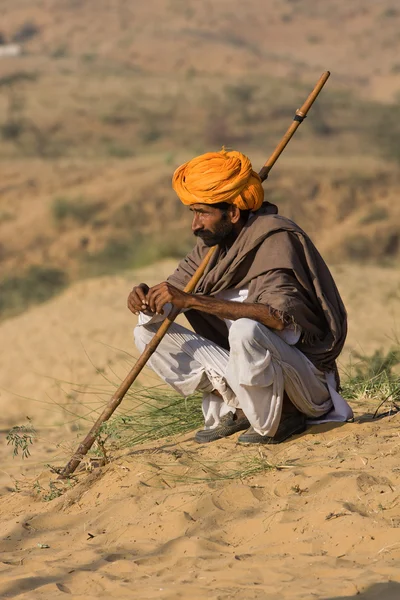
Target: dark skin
214, 226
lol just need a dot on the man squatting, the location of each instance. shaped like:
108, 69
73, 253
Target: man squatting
267, 317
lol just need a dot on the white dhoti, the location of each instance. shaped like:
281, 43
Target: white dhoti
252, 375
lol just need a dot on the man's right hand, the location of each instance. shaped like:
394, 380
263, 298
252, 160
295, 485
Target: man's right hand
137, 298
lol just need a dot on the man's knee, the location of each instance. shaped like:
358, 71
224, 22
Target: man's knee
242, 331
142, 336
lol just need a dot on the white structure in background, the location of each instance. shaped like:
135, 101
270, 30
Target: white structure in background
7, 50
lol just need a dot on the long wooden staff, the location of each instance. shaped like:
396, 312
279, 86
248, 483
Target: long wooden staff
119, 394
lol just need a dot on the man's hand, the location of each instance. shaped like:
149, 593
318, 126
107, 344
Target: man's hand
164, 292
137, 299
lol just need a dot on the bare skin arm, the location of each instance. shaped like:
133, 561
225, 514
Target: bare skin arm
164, 292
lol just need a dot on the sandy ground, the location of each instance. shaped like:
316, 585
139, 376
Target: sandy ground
323, 522
159, 522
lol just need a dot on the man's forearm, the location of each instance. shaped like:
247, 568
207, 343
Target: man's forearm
225, 309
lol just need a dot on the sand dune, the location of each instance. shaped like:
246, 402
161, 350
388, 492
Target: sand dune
159, 522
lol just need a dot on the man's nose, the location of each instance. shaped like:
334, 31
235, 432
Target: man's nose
196, 225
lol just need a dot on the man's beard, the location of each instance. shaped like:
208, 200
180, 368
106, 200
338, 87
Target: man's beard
223, 231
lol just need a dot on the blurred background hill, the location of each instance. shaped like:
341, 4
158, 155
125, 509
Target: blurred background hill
100, 100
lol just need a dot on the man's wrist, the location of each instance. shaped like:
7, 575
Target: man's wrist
189, 301
198, 302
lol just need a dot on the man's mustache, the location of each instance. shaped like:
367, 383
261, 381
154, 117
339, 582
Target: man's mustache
204, 235
208, 237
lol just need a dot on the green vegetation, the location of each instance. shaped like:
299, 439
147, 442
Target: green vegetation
143, 115
35, 285
20, 437
17, 77
117, 151
161, 415
374, 378
75, 209
384, 131
26, 32
122, 253
376, 213
164, 414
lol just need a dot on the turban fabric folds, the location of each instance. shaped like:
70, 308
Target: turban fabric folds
225, 176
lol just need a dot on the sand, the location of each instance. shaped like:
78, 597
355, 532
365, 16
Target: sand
166, 520
322, 522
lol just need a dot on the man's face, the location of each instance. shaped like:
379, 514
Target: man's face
212, 225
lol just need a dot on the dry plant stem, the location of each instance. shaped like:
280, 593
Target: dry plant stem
118, 396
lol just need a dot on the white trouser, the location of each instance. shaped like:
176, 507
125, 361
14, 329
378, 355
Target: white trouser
252, 376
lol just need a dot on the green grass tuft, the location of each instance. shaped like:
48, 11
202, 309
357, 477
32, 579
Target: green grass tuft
373, 379
162, 414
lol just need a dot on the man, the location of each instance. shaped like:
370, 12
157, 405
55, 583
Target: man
267, 317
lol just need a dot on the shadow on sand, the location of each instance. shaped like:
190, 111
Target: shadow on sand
379, 591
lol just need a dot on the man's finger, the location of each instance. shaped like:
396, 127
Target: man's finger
160, 302
151, 291
133, 306
151, 299
140, 294
135, 300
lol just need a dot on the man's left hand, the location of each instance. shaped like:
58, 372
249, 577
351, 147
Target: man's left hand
163, 293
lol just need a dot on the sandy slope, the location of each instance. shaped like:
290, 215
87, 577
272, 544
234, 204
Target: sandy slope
324, 523
325, 526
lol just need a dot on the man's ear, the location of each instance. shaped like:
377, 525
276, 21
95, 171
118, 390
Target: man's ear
234, 213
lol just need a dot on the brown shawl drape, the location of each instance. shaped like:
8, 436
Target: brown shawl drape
281, 268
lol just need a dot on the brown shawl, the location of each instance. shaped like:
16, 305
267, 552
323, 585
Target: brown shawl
281, 268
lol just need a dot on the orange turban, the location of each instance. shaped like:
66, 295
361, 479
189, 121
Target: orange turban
219, 177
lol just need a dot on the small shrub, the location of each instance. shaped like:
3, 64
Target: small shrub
17, 77
319, 123
377, 213
385, 131
60, 52
139, 250
390, 12
6, 216
77, 209
241, 93
36, 285
150, 133
88, 57
314, 39
130, 216
117, 254
358, 247
20, 437
12, 130
119, 151
26, 32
